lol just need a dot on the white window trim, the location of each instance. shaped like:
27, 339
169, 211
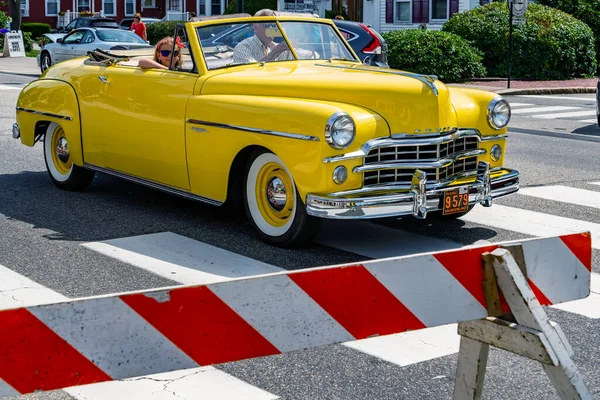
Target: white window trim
410, 7
431, 12
125, 8
57, 8
114, 2
76, 7
25, 6
152, 6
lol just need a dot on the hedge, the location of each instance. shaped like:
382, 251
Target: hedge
444, 54
585, 11
551, 45
37, 29
159, 30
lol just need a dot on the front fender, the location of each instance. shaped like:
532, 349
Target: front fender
50, 100
211, 149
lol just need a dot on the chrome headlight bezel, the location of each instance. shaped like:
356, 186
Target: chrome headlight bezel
492, 112
331, 135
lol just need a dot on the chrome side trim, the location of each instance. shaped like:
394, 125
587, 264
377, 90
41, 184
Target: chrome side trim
426, 79
46, 114
154, 185
254, 130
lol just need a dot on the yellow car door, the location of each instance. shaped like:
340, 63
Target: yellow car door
133, 122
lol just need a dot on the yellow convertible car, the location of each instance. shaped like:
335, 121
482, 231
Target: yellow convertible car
276, 112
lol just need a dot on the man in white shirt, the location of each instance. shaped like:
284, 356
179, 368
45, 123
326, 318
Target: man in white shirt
261, 47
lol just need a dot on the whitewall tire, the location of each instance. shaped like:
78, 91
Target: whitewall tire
273, 204
59, 162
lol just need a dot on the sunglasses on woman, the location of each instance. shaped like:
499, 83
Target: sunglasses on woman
167, 53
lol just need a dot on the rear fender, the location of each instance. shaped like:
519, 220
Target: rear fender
45, 101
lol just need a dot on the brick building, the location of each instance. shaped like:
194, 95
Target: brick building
49, 11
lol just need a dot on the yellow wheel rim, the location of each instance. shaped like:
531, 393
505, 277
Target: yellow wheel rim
57, 147
275, 208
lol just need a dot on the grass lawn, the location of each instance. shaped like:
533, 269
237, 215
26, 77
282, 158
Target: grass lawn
32, 53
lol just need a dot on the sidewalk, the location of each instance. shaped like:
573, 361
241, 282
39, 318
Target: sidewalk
533, 87
25, 66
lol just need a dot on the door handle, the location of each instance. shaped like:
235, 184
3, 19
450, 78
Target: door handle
103, 79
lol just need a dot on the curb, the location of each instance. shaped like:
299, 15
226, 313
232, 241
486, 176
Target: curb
21, 74
540, 91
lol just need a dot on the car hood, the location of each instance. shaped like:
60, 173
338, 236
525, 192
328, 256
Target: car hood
410, 103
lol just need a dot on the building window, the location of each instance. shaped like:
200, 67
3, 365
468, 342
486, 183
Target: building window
174, 5
439, 9
109, 7
129, 8
25, 8
83, 5
402, 11
149, 4
51, 8
215, 7
202, 8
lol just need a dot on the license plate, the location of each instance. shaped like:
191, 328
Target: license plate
455, 201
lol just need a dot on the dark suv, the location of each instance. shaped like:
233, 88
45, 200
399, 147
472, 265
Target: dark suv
367, 43
89, 22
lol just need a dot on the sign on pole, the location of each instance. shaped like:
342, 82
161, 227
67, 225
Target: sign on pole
13, 44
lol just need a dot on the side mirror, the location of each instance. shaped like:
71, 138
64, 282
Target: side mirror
59, 40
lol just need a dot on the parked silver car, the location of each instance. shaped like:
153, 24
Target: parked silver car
78, 42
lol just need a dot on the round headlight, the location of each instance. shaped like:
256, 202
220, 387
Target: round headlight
340, 130
496, 152
498, 113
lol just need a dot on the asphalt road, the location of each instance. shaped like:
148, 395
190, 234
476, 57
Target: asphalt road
42, 230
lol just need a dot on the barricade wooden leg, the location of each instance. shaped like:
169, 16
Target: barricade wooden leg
528, 312
470, 373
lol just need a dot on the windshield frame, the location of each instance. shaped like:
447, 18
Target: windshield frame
278, 20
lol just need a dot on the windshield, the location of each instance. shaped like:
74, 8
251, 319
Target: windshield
247, 43
119, 36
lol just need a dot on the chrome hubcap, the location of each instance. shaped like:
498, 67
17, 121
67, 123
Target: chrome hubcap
276, 194
62, 150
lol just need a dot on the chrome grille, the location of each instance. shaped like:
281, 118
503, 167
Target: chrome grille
427, 152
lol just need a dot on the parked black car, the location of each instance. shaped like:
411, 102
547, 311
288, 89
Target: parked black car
89, 22
365, 41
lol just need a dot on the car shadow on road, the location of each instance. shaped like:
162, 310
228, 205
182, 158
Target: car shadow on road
113, 208
591, 129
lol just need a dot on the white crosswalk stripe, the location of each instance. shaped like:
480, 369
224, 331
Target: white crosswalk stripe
539, 109
513, 104
573, 114
10, 87
188, 261
550, 97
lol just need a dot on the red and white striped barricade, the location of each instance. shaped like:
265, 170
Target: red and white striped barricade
113, 337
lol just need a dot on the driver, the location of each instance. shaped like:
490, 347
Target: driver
261, 47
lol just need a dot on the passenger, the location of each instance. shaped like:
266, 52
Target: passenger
162, 55
138, 27
261, 47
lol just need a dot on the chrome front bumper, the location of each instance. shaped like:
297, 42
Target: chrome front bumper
417, 202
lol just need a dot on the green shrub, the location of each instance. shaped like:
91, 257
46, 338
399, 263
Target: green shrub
251, 6
3, 20
551, 45
27, 41
444, 54
585, 11
37, 29
159, 30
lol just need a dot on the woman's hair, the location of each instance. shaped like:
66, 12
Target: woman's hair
169, 42
138, 15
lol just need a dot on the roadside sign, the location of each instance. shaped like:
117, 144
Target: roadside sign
518, 21
13, 44
518, 7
